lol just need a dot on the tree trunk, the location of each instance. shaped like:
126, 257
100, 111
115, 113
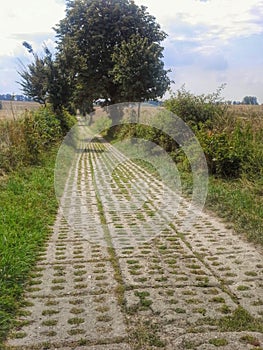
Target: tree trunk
139, 113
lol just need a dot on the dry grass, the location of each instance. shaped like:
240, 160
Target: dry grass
14, 109
247, 111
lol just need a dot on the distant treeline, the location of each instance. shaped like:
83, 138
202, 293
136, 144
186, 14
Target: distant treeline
12, 97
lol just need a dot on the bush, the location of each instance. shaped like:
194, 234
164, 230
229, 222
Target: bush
41, 129
23, 140
222, 156
67, 121
196, 109
234, 152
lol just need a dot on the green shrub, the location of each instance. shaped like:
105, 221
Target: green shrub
223, 158
23, 140
195, 109
232, 153
41, 129
162, 131
67, 121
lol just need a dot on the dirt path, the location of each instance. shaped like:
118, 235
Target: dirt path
129, 278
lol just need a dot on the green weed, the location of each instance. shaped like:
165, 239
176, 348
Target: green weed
28, 209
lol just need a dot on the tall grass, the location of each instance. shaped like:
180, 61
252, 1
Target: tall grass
239, 199
27, 210
233, 146
23, 141
28, 149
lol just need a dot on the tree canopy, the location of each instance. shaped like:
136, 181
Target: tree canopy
35, 77
106, 49
250, 100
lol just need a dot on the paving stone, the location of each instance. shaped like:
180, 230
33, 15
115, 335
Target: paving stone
102, 347
180, 306
72, 319
232, 340
129, 260
74, 278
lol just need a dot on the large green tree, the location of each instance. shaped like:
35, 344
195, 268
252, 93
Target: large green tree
35, 76
113, 51
47, 79
138, 69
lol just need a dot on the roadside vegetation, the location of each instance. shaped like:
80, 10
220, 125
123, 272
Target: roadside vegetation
233, 147
28, 204
70, 81
24, 140
64, 83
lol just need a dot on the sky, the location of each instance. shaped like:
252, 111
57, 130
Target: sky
209, 42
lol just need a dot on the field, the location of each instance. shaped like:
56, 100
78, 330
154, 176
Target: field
247, 110
14, 109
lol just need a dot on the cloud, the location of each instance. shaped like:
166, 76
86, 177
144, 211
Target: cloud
224, 19
209, 42
27, 16
214, 62
239, 83
179, 53
8, 74
37, 40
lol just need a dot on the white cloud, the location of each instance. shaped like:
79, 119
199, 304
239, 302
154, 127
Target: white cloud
27, 16
224, 19
209, 43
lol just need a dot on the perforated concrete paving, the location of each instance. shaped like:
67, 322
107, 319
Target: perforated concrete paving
122, 270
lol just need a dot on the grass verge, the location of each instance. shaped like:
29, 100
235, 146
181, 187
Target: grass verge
28, 209
239, 202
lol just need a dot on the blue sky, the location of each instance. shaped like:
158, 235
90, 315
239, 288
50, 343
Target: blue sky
210, 42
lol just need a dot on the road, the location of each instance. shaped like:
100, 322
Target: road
124, 269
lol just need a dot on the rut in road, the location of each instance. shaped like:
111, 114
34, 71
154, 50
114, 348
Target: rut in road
133, 267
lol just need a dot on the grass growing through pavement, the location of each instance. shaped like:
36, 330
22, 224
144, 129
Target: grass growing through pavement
231, 139
238, 201
28, 208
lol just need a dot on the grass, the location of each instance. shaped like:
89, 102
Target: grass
16, 109
237, 321
28, 208
76, 321
240, 320
239, 202
237, 199
218, 342
249, 339
145, 336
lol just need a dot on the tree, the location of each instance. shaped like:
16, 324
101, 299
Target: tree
46, 80
98, 35
35, 77
250, 100
138, 70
